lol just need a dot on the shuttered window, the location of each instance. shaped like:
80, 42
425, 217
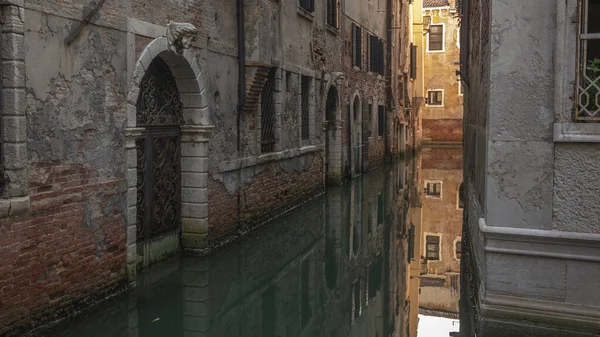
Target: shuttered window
332, 14
436, 37
357, 46
432, 248
376, 57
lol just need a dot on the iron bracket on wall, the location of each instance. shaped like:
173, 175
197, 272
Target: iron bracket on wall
86, 20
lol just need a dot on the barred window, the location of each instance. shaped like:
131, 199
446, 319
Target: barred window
436, 38
588, 81
435, 97
432, 244
305, 106
267, 114
433, 189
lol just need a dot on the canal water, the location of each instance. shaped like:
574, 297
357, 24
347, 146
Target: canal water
347, 263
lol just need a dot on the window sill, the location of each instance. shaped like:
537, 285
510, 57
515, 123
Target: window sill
332, 29
433, 106
305, 14
435, 51
577, 132
14, 206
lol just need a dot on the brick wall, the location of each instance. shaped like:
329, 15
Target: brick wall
264, 197
442, 130
68, 252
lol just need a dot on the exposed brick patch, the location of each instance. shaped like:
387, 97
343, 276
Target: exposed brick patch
67, 252
442, 158
443, 130
263, 198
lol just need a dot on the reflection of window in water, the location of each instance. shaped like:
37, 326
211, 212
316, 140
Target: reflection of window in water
331, 268
433, 248
306, 311
374, 282
458, 249
269, 313
356, 309
379, 209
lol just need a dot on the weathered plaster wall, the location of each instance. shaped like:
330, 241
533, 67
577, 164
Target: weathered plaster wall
70, 249
520, 179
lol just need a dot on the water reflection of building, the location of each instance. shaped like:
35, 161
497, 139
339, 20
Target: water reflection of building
440, 179
336, 266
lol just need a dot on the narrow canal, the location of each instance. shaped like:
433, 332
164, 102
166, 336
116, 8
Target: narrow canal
341, 264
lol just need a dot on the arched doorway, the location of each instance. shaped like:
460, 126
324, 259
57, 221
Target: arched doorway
166, 148
333, 140
160, 113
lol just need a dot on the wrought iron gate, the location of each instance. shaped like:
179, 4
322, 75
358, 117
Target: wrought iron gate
159, 111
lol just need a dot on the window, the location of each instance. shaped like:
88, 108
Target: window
267, 114
433, 189
436, 38
458, 249
332, 14
413, 61
588, 107
380, 120
304, 106
356, 46
459, 202
376, 58
461, 89
379, 209
371, 120
435, 97
432, 245
411, 243
308, 5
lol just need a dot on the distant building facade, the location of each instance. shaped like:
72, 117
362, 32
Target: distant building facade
532, 234
441, 115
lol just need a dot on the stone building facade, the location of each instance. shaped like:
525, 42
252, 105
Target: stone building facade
531, 238
151, 127
441, 114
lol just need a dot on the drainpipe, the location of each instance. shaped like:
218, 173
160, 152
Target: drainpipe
241, 94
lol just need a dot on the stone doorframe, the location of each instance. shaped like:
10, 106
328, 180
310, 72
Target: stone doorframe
195, 133
333, 132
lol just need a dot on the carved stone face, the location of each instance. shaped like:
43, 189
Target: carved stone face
181, 36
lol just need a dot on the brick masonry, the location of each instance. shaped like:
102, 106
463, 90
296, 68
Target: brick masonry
442, 130
68, 252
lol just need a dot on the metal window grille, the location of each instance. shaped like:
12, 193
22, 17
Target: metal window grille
357, 46
308, 5
433, 189
588, 69
267, 114
332, 13
304, 106
381, 120
432, 248
436, 37
434, 97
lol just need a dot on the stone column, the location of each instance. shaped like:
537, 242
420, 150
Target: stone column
13, 105
131, 135
194, 191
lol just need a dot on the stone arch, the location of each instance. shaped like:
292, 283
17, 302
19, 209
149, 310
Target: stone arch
194, 133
